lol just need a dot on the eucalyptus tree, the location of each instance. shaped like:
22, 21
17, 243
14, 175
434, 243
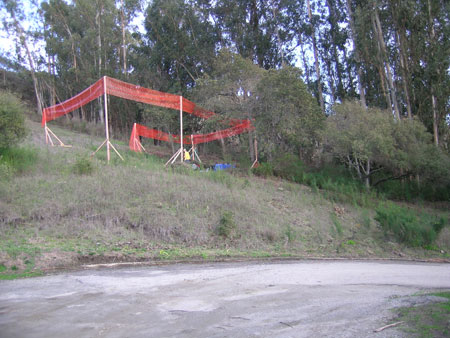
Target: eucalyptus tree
82, 38
179, 42
13, 23
256, 29
128, 10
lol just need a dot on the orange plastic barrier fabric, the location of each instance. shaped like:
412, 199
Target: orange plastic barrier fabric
126, 91
140, 94
140, 130
79, 100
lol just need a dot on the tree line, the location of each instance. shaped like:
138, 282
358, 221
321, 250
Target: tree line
288, 64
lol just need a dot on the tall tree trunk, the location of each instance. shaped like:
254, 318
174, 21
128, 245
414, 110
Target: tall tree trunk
353, 35
23, 40
279, 46
385, 56
405, 74
381, 70
331, 81
316, 59
99, 47
254, 26
340, 88
433, 97
124, 46
401, 42
305, 64
99, 40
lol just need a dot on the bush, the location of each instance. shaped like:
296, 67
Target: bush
263, 169
226, 225
83, 166
17, 160
407, 227
12, 120
289, 167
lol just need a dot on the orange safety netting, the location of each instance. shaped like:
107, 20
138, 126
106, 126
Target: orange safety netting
140, 130
126, 91
129, 91
79, 100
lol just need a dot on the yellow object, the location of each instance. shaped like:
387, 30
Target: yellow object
187, 156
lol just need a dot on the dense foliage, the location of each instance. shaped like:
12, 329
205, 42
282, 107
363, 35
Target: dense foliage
407, 227
12, 120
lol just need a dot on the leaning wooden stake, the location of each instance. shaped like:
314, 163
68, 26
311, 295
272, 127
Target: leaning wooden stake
48, 137
256, 155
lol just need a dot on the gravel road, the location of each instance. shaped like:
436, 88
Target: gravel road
278, 299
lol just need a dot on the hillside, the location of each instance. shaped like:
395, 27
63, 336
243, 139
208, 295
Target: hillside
65, 210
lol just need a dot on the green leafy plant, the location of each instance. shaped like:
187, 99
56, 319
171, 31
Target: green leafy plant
264, 169
12, 120
83, 166
17, 160
407, 227
290, 234
337, 224
226, 225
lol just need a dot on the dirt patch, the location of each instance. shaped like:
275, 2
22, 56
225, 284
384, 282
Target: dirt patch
55, 259
15, 264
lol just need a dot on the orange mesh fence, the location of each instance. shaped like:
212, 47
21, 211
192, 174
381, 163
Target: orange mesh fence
126, 91
140, 130
79, 100
140, 94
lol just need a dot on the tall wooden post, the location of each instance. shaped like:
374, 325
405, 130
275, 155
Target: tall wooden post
181, 129
108, 156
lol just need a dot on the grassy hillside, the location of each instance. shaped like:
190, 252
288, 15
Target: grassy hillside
62, 209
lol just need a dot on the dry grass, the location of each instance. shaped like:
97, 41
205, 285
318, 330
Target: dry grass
137, 209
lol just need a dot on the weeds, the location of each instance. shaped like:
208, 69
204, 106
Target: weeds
83, 166
17, 160
290, 234
407, 227
337, 224
429, 320
365, 219
226, 225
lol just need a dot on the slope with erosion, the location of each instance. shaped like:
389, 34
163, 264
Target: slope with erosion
68, 209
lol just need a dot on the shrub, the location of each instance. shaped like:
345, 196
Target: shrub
83, 166
263, 169
17, 160
6, 171
226, 225
337, 224
407, 227
12, 120
289, 167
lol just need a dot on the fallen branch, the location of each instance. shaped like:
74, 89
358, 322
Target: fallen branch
387, 326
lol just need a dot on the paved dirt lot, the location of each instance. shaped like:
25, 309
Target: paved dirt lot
283, 299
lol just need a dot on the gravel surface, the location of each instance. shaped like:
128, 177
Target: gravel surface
283, 299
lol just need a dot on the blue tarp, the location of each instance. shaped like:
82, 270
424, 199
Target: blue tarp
223, 166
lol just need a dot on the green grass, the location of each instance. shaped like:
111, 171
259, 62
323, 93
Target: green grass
18, 160
431, 320
11, 276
